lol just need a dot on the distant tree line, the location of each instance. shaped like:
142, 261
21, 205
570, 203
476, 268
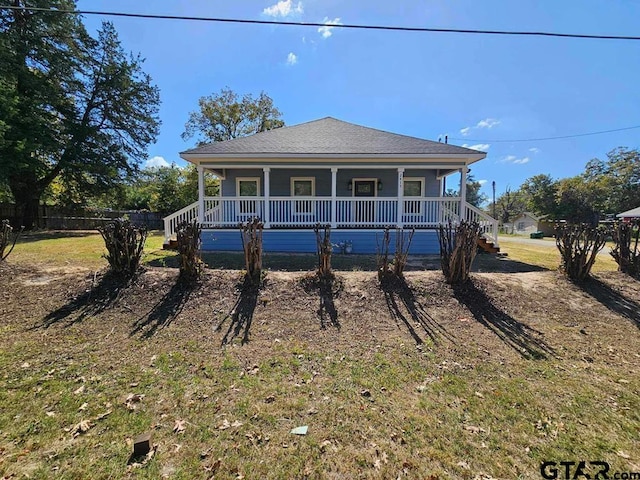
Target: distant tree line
606, 187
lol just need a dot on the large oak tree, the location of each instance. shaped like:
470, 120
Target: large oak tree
73, 107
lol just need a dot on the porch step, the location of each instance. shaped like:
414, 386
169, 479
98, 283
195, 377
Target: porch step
171, 245
487, 246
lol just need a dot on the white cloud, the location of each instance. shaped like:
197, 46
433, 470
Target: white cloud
482, 147
488, 123
292, 58
515, 160
156, 162
482, 182
534, 150
283, 8
326, 30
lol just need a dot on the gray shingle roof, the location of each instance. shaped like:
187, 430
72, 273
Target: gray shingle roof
329, 136
634, 212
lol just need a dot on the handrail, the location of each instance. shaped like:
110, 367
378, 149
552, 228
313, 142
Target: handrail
187, 213
487, 218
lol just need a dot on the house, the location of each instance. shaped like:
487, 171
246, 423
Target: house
629, 215
354, 178
526, 223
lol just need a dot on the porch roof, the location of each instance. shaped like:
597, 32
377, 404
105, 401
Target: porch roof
330, 138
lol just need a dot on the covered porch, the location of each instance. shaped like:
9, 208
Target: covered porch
349, 198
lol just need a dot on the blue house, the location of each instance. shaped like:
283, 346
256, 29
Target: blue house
354, 178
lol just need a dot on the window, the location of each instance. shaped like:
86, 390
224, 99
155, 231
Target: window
521, 226
247, 187
303, 187
413, 187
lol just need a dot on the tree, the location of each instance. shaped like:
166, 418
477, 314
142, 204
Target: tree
225, 115
576, 198
73, 107
509, 205
616, 180
540, 192
474, 196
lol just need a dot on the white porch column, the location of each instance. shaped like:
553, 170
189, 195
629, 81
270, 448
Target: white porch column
399, 222
334, 199
200, 194
463, 193
267, 194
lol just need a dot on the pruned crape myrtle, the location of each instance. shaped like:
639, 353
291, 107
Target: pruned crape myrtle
579, 246
124, 243
188, 236
458, 248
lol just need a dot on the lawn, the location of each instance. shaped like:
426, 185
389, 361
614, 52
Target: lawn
412, 380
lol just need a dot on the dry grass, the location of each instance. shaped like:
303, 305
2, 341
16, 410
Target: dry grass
415, 380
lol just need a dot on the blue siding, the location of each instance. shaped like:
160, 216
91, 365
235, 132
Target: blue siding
281, 180
304, 241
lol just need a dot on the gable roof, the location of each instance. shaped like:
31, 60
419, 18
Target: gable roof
329, 136
634, 212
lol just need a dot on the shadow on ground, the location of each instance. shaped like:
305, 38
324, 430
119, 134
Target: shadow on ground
489, 263
35, 236
612, 299
241, 315
102, 295
401, 298
528, 342
328, 289
166, 310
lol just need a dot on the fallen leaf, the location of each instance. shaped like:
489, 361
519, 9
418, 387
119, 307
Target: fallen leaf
82, 427
79, 390
622, 454
179, 426
51, 414
236, 424
464, 465
83, 407
377, 464
132, 399
474, 429
103, 415
176, 447
479, 395
224, 425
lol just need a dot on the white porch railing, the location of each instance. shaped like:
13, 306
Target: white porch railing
488, 224
359, 212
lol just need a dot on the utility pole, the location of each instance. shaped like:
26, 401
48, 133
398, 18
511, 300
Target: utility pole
493, 185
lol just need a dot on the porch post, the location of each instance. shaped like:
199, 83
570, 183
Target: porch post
334, 189
200, 194
399, 222
463, 193
267, 194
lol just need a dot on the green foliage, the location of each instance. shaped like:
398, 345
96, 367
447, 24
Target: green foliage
124, 243
225, 115
540, 194
72, 107
474, 196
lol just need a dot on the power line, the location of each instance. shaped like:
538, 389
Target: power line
547, 138
317, 24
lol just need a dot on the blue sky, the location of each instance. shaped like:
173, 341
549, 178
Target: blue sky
476, 89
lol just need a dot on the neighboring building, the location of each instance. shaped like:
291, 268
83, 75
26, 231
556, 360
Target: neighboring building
525, 224
633, 214
354, 178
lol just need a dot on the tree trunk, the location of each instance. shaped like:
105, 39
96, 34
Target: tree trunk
27, 207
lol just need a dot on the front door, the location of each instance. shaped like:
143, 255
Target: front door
364, 209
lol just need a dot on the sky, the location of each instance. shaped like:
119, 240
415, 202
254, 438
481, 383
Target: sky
483, 91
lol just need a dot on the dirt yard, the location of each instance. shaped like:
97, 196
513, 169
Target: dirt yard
411, 380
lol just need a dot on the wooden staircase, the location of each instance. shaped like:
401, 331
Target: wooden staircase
487, 246
171, 244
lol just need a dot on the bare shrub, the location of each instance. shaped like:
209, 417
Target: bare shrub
403, 244
579, 246
382, 253
458, 248
626, 251
397, 265
124, 243
251, 233
324, 249
8, 239
188, 236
